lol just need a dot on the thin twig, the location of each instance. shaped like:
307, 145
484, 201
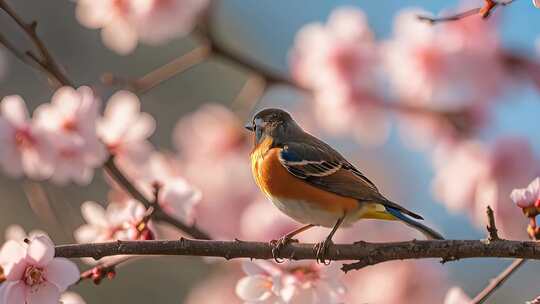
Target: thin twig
484, 11
497, 281
47, 61
171, 69
491, 227
158, 213
249, 95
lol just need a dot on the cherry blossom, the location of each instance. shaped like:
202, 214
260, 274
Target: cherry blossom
17, 233
397, 282
71, 118
456, 295
449, 64
119, 221
296, 283
123, 23
33, 275
536, 3
451, 67
212, 147
25, 147
220, 283
472, 176
338, 62
125, 130
527, 197
161, 172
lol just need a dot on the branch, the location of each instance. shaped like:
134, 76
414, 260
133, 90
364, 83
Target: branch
163, 73
47, 61
484, 12
366, 253
497, 281
158, 213
491, 227
48, 64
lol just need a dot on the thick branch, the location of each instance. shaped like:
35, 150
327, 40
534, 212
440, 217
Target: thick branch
365, 253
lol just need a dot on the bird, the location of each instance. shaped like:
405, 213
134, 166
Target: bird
312, 183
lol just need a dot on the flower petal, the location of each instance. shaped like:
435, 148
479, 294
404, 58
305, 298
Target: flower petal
119, 36
12, 260
94, 214
71, 298
15, 233
44, 293
254, 288
13, 292
14, 110
62, 273
40, 251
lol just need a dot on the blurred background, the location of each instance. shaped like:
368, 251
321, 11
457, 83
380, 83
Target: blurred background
264, 31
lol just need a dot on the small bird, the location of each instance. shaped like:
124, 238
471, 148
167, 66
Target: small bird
312, 183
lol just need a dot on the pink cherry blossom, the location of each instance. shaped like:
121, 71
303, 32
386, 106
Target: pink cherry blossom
294, 283
453, 67
536, 3
71, 117
218, 287
71, 298
397, 282
449, 64
472, 176
17, 233
527, 197
24, 147
213, 147
176, 196
459, 171
33, 275
125, 22
125, 130
456, 295
117, 222
338, 62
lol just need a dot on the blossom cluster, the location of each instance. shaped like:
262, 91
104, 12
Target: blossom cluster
123, 23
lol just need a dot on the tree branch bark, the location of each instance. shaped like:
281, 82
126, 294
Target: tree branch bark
365, 253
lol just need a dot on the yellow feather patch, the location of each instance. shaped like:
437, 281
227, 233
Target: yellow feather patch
375, 211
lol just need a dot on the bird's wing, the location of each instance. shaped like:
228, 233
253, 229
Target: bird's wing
321, 166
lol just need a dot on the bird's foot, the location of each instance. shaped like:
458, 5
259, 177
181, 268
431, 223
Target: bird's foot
322, 251
278, 245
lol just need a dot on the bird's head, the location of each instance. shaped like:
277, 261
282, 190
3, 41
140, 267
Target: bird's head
273, 123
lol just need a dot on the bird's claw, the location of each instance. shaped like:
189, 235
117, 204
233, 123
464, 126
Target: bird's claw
322, 251
278, 245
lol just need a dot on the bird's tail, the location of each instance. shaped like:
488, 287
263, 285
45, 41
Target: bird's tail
428, 232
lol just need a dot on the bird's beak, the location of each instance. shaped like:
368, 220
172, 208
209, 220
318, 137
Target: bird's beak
249, 127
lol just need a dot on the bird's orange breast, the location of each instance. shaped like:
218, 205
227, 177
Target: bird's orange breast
276, 182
